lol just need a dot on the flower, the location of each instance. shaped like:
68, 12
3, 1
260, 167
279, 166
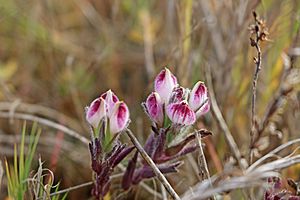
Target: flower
111, 99
95, 112
119, 118
154, 108
164, 83
178, 94
198, 96
181, 113
109, 106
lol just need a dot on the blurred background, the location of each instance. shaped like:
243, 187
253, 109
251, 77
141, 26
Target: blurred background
57, 56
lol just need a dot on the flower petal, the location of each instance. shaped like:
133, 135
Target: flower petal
154, 106
119, 117
181, 113
178, 94
204, 109
111, 99
198, 96
164, 83
95, 112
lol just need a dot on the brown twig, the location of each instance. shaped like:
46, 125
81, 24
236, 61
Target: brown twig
203, 169
282, 92
221, 122
260, 31
150, 162
202, 164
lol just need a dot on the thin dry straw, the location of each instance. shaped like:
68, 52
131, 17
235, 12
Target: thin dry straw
147, 158
253, 176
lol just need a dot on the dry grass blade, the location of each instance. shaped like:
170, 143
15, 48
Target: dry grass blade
220, 119
46, 122
252, 179
147, 158
1, 173
254, 176
272, 153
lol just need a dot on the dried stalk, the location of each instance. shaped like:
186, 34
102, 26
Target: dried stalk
203, 169
46, 122
150, 162
260, 31
202, 164
221, 122
46, 112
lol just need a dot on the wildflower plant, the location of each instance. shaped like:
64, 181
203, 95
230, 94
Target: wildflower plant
108, 117
173, 110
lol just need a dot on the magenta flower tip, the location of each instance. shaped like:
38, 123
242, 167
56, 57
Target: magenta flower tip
164, 83
154, 106
181, 113
119, 117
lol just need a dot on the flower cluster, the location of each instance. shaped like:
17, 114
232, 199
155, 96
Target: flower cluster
170, 108
109, 109
169, 101
105, 148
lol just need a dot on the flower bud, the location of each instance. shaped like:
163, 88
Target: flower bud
178, 94
95, 112
198, 96
111, 99
164, 83
181, 113
154, 107
119, 118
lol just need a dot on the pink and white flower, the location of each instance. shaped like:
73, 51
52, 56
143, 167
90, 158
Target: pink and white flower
119, 118
95, 112
108, 106
181, 113
154, 108
164, 83
111, 99
198, 96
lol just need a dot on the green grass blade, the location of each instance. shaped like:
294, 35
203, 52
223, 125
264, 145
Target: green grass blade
9, 179
31, 151
21, 156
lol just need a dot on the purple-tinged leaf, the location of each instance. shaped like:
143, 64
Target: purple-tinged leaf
182, 152
122, 155
128, 175
147, 172
149, 146
171, 151
160, 144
